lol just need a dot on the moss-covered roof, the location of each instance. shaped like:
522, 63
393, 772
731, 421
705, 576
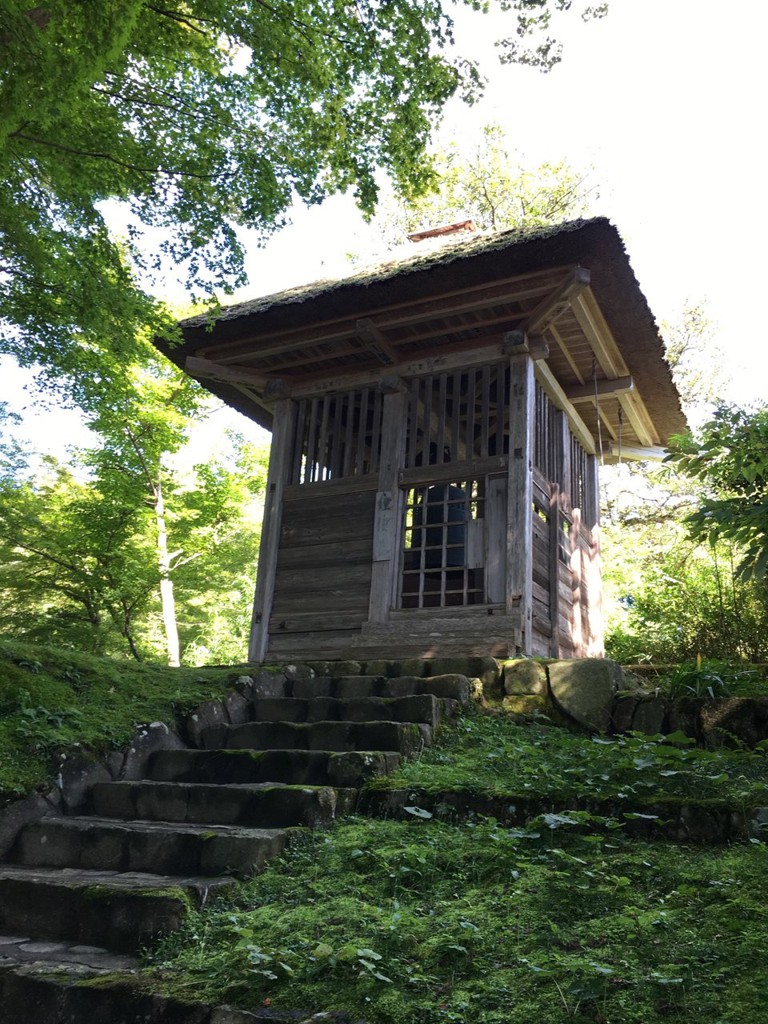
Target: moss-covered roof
464, 293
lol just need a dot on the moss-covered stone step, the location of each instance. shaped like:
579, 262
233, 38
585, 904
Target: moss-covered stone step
449, 686
402, 737
121, 912
45, 955
670, 818
293, 767
53, 995
159, 847
423, 707
254, 805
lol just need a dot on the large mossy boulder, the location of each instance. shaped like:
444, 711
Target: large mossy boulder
584, 690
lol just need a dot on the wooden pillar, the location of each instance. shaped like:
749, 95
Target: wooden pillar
389, 504
519, 594
594, 571
279, 464
560, 491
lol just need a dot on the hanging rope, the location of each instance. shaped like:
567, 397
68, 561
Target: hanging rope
621, 424
597, 411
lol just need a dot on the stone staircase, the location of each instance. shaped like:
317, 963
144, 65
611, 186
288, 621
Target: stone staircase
89, 889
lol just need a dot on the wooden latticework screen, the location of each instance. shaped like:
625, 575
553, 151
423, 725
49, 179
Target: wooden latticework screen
337, 435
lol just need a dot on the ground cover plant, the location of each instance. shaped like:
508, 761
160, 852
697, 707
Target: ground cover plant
54, 699
424, 921
494, 755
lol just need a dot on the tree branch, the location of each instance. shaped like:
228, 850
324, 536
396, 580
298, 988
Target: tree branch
114, 160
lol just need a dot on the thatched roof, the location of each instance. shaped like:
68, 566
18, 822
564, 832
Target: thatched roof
463, 296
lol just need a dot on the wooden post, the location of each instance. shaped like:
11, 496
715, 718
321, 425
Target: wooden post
389, 506
279, 465
596, 625
519, 593
560, 494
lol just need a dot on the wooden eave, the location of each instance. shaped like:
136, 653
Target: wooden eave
571, 287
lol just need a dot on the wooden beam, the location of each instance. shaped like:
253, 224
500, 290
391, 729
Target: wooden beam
638, 453
586, 392
389, 505
553, 332
638, 416
519, 288
207, 369
279, 460
468, 469
374, 340
552, 307
599, 336
515, 342
487, 353
611, 362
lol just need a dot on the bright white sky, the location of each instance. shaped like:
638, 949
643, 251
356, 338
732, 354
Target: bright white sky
665, 100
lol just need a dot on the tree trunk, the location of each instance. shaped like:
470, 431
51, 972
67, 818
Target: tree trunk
166, 584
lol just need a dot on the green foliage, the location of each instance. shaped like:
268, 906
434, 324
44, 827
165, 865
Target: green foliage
712, 679
53, 699
496, 756
196, 117
728, 457
668, 599
83, 550
488, 184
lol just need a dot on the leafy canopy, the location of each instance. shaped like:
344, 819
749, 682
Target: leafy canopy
729, 457
489, 184
197, 117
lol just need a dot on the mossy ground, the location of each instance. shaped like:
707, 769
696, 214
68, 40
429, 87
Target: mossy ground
430, 922
497, 756
567, 919
53, 699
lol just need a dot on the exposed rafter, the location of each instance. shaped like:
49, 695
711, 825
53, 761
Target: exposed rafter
586, 392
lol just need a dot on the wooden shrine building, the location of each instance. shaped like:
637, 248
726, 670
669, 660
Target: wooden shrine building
438, 424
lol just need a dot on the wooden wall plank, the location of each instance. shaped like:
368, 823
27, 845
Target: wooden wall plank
389, 502
495, 540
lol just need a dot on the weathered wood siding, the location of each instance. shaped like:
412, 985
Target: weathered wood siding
323, 579
566, 578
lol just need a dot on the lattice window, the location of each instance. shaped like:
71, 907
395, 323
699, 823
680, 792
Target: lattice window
337, 436
547, 438
460, 415
442, 552
582, 492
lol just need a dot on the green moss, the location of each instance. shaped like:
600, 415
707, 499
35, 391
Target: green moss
424, 922
52, 700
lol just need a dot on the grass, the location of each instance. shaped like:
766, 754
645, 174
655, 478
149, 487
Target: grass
493, 755
427, 921
430, 922
52, 699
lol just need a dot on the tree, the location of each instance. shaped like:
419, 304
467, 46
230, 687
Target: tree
728, 457
489, 184
199, 115
98, 553
696, 358
80, 563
